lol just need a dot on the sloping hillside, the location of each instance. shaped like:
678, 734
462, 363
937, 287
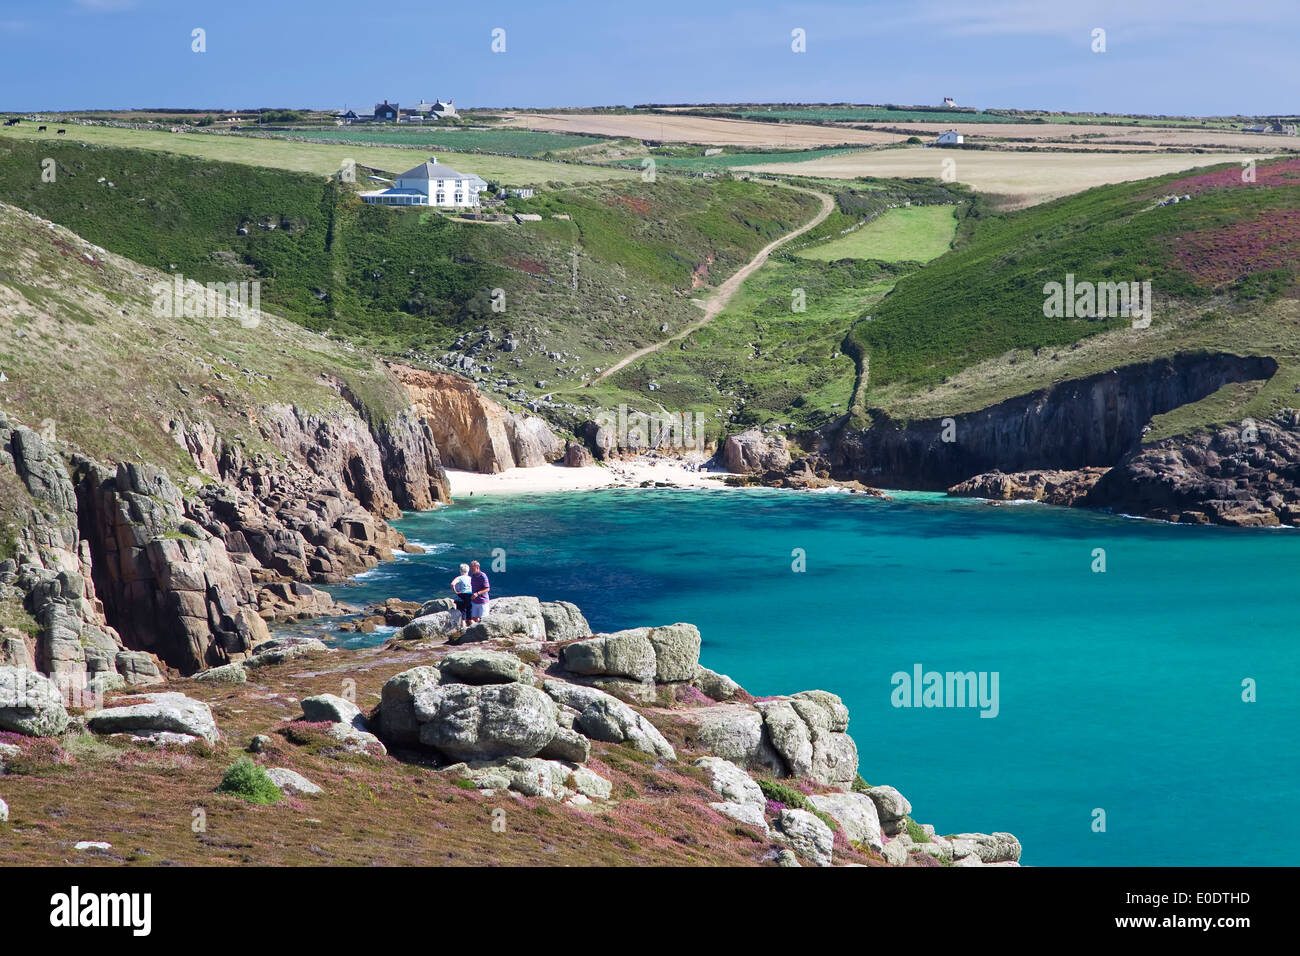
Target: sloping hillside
602, 271
970, 329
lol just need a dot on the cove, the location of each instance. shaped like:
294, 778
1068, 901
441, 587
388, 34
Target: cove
1120, 691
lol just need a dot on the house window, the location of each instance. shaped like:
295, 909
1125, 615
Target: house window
442, 197
441, 183
459, 198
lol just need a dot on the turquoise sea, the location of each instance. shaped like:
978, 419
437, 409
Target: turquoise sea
1118, 691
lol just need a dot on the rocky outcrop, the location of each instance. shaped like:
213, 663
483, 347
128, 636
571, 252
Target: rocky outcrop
1246, 475
472, 431
603, 717
466, 722
1050, 486
754, 452
51, 576
856, 815
892, 808
808, 836
119, 560
564, 621
809, 732
30, 703
644, 654
151, 714
578, 456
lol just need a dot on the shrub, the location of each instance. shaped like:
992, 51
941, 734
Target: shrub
782, 794
860, 785
247, 780
915, 832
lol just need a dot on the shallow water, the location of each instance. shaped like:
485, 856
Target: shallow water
1119, 691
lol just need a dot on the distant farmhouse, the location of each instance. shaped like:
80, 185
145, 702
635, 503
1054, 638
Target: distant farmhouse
949, 101
387, 112
436, 110
950, 138
430, 184
1275, 126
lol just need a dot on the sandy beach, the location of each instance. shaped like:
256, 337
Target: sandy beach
680, 473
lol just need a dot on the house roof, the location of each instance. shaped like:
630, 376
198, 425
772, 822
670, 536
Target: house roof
433, 170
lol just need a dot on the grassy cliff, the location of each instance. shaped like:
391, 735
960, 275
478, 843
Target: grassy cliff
969, 329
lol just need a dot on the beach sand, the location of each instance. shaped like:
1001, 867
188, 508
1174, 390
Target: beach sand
617, 474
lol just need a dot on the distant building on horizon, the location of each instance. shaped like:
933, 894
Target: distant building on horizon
436, 110
949, 138
949, 101
387, 112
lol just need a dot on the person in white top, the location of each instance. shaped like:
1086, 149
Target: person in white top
463, 589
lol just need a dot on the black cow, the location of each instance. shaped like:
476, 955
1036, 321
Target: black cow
60, 132
40, 129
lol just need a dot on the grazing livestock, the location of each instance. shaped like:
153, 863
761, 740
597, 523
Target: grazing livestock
60, 132
40, 129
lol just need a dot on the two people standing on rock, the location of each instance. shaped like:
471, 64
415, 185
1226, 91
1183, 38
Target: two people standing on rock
472, 590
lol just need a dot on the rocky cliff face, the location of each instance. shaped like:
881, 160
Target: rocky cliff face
472, 431
1093, 421
1245, 475
50, 577
193, 577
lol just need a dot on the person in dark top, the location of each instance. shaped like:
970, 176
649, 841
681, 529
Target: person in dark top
479, 588
462, 588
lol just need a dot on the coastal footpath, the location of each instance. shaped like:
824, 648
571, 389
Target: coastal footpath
523, 739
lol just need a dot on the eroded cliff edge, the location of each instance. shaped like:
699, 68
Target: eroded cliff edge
1080, 442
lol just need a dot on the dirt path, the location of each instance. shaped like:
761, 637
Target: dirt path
723, 295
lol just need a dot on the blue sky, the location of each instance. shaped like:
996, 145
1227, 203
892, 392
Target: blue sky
1162, 56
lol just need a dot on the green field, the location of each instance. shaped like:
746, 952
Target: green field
515, 142
912, 234
319, 159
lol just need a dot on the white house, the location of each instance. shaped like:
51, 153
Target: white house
949, 101
430, 184
950, 138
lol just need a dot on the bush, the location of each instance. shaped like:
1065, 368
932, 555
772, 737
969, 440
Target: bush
860, 785
915, 832
247, 780
780, 793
